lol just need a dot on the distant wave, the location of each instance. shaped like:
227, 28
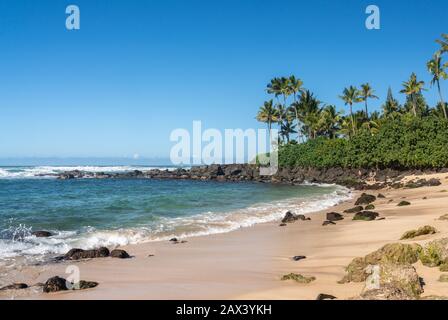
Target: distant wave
49, 171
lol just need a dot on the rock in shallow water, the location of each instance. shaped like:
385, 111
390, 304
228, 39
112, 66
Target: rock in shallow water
77, 254
326, 223
41, 234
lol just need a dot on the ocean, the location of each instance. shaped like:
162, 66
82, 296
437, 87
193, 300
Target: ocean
89, 213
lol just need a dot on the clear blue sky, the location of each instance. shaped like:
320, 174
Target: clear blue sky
138, 69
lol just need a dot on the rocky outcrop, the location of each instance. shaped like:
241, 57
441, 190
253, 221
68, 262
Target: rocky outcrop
419, 232
391, 281
396, 253
353, 178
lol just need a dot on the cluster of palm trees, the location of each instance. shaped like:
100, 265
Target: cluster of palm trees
297, 111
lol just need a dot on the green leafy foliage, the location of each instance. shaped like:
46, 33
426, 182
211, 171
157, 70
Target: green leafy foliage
403, 142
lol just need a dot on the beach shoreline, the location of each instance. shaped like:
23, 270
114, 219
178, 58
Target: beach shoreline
249, 263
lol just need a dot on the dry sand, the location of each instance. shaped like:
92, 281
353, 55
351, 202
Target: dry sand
248, 263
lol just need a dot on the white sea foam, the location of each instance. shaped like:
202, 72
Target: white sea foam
206, 223
50, 171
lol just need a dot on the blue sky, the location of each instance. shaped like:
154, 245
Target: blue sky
139, 69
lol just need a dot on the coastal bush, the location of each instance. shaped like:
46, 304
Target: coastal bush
401, 143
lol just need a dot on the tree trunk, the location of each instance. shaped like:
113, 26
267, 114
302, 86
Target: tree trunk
414, 104
441, 100
353, 119
367, 112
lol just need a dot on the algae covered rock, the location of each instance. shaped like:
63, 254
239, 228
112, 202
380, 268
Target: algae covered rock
435, 253
419, 232
396, 253
298, 278
366, 216
365, 199
403, 203
370, 207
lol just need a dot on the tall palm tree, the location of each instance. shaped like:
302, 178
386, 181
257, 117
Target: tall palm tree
329, 121
443, 43
287, 129
268, 114
365, 93
350, 96
412, 88
437, 70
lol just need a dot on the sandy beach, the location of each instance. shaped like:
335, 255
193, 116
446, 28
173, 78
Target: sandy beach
249, 263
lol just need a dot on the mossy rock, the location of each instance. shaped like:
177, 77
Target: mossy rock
403, 277
443, 278
366, 216
381, 196
419, 232
404, 203
298, 278
397, 253
354, 209
370, 207
435, 253
365, 199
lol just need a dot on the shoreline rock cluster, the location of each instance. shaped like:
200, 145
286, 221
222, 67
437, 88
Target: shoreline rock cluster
353, 178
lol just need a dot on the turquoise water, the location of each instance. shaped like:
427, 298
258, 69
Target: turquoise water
88, 213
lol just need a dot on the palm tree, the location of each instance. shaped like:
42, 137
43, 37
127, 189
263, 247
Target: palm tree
350, 96
365, 93
437, 70
329, 122
411, 88
443, 43
287, 128
268, 114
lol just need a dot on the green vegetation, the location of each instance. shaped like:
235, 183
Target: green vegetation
403, 203
316, 135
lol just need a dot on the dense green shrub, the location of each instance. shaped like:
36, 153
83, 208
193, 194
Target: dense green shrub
403, 143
